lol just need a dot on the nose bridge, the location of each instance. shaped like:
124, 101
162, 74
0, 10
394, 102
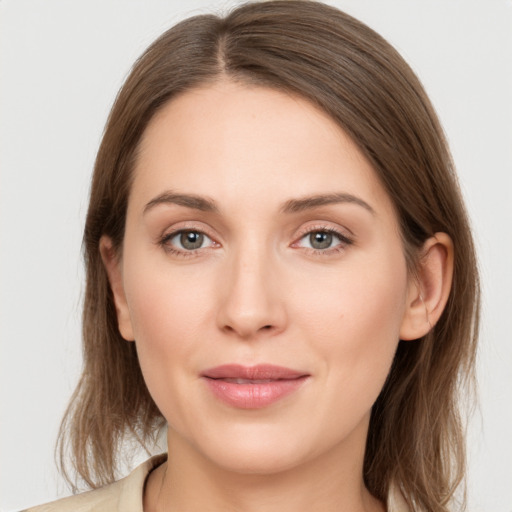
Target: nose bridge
252, 302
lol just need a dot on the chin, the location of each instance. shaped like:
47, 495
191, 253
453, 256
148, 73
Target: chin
256, 449
264, 449
259, 460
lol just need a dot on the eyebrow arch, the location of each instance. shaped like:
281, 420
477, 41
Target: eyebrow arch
299, 205
188, 200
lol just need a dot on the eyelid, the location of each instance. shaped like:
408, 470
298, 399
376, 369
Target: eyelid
171, 232
325, 226
345, 239
344, 235
188, 225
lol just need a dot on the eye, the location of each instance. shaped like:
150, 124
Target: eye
320, 239
323, 240
187, 240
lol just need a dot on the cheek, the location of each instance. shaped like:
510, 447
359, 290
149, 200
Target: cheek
163, 312
169, 318
167, 303
354, 320
366, 294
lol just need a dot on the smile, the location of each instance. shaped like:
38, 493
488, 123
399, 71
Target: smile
252, 387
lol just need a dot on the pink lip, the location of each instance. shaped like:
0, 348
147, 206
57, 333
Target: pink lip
261, 385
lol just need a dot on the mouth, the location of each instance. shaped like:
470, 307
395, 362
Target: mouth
252, 387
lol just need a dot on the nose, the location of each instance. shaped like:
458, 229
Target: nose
252, 300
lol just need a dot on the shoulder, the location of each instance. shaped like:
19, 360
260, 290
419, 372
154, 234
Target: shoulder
124, 495
99, 500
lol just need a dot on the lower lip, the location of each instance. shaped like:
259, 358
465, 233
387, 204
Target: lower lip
253, 396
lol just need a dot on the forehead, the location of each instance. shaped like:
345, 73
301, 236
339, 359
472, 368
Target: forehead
245, 141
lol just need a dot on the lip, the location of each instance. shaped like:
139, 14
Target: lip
252, 387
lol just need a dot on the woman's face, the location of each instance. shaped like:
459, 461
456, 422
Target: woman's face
262, 278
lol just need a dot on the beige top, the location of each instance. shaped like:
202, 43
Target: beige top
126, 495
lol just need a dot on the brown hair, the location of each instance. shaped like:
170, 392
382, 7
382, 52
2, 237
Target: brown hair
415, 437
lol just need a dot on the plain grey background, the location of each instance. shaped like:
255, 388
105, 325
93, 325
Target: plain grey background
61, 64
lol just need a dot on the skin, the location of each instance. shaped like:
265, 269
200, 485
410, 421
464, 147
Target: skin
256, 291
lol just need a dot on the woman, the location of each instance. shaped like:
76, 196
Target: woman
280, 269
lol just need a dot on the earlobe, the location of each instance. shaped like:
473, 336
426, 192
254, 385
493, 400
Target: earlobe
430, 288
112, 264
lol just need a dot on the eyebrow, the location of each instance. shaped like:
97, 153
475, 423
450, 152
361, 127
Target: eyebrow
188, 200
291, 206
306, 203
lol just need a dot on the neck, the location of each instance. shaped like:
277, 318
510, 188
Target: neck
189, 482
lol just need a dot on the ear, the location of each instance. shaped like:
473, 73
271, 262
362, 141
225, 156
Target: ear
112, 263
429, 288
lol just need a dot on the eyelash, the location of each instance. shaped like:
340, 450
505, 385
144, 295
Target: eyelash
164, 242
345, 241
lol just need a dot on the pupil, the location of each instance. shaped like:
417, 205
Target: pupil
320, 240
191, 240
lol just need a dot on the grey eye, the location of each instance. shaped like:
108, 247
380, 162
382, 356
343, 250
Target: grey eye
188, 240
320, 239
191, 240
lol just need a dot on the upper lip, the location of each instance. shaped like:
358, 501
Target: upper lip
257, 372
